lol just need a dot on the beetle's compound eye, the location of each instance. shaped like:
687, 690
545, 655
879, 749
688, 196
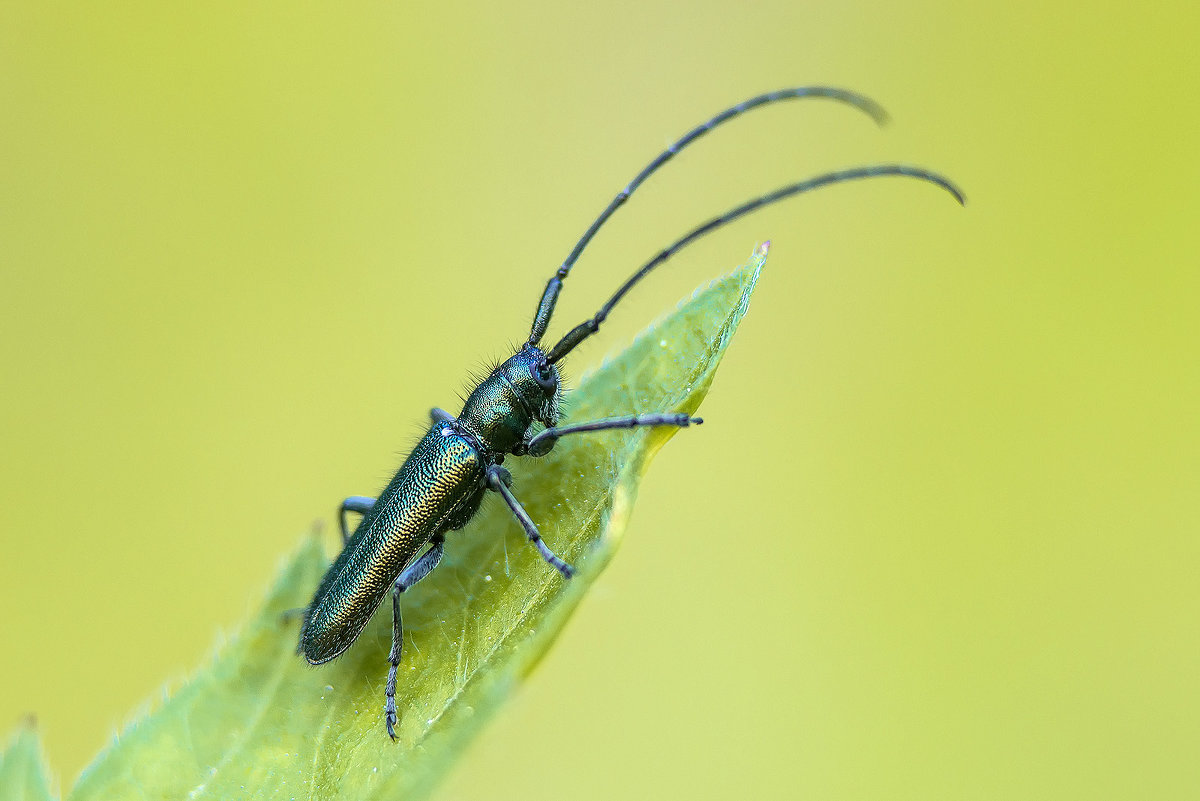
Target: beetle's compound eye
544, 375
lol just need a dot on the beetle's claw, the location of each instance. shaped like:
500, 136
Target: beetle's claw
390, 718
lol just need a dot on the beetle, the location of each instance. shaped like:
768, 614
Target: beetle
401, 535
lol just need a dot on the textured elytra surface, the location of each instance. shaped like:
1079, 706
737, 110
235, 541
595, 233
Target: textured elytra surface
258, 722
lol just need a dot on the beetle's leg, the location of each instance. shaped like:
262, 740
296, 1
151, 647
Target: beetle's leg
541, 443
418, 570
421, 566
389, 709
498, 480
437, 415
355, 503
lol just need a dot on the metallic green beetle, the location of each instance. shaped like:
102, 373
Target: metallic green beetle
440, 486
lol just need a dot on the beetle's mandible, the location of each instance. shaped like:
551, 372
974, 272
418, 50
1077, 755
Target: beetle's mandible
440, 486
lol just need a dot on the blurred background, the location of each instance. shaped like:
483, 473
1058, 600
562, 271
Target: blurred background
938, 537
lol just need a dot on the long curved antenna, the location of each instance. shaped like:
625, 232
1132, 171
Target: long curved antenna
545, 309
588, 327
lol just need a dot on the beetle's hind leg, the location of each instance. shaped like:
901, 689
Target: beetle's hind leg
498, 480
355, 503
418, 570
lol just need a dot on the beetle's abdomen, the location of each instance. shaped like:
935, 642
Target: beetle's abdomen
439, 483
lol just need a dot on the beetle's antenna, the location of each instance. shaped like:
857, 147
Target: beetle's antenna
588, 327
545, 307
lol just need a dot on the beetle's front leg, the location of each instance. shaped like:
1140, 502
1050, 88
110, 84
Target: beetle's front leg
499, 480
418, 570
541, 443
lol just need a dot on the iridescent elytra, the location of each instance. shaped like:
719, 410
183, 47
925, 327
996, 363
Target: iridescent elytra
513, 411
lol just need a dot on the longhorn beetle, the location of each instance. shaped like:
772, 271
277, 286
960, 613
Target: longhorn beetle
440, 486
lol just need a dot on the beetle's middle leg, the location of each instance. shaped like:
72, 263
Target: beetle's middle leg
498, 480
418, 570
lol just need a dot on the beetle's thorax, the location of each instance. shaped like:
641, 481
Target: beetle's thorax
518, 393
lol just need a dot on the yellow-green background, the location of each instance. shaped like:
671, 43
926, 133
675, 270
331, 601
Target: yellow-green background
939, 536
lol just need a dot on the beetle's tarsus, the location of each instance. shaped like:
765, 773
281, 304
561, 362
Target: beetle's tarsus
390, 719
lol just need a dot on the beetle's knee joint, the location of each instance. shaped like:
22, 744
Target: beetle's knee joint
501, 474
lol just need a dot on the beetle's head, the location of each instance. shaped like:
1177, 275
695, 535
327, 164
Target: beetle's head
535, 382
521, 391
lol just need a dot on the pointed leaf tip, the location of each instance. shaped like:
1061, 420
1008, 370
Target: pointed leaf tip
23, 772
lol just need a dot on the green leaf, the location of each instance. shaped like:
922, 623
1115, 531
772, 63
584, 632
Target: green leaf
261, 723
22, 768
